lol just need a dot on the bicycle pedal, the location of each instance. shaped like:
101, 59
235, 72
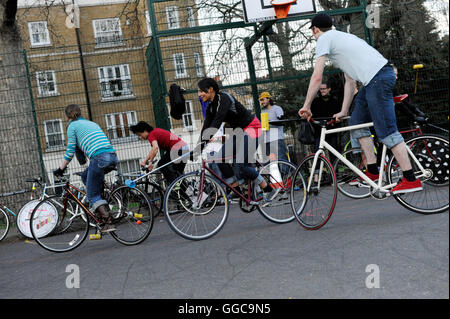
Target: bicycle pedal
95, 236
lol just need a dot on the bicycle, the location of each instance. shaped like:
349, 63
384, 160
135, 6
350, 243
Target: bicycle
196, 204
315, 210
22, 218
61, 223
348, 182
154, 186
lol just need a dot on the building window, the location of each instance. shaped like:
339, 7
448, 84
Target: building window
39, 35
173, 21
115, 82
198, 64
46, 83
128, 166
188, 117
118, 126
190, 17
180, 65
54, 136
147, 21
107, 32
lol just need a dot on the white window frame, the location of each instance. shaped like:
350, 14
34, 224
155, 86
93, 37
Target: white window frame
172, 24
109, 82
189, 116
190, 17
112, 126
175, 64
99, 33
47, 34
198, 64
60, 133
40, 85
147, 22
128, 162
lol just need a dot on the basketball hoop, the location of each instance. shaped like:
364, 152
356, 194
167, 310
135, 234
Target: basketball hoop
282, 7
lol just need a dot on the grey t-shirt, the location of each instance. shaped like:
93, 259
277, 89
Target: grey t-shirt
352, 55
275, 132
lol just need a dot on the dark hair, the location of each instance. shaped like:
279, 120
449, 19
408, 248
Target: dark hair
141, 127
324, 29
207, 83
73, 111
271, 102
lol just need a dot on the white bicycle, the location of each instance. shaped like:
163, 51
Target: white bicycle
429, 156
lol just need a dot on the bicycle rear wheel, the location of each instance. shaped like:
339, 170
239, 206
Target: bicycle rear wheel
59, 224
279, 174
193, 214
315, 211
132, 215
4, 224
432, 152
348, 182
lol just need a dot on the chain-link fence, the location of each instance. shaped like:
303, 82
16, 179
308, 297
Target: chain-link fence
120, 77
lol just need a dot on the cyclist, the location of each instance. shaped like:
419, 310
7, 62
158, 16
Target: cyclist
225, 108
374, 102
92, 141
274, 137
170, 146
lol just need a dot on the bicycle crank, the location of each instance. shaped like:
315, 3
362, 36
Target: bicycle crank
378, 195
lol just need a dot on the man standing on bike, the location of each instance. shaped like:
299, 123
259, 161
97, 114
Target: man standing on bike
225, 108
92, 141
374, 102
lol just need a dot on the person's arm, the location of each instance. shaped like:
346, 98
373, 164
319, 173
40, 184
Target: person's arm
314, 84
215, 122
71, 146
349, 90
151, 156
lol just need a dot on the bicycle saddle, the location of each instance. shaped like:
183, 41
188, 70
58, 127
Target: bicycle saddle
400, 98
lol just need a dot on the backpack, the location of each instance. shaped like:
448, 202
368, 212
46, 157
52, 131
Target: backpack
177, 102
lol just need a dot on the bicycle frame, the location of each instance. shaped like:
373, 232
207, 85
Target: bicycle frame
67, 192
324, 145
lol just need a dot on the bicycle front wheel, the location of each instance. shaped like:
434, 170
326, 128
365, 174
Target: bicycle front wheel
4, 224
348, 182
132, 215
195, 208
59, 224
155, 195
432, 152
314, 212
279, 174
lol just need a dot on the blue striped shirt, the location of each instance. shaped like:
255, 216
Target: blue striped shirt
89, 137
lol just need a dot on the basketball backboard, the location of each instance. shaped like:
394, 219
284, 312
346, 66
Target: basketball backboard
262, 10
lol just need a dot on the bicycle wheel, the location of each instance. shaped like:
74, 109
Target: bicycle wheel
132, 215
59, 224
315, 211
279, 174
4, 224
432, 152
155, 194
348, 182
193, 214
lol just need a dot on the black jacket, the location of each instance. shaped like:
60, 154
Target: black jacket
225, 108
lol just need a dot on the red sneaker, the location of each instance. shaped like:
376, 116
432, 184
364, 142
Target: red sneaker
407, 187
358, 180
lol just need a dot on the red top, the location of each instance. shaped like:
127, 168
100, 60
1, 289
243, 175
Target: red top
166, 140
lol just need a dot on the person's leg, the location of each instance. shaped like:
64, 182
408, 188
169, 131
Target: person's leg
361, 138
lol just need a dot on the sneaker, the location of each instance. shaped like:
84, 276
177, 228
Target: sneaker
407, 187
359, 180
